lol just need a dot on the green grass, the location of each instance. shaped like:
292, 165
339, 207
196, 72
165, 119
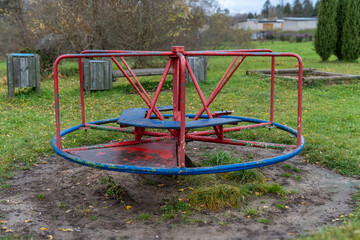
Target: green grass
145, 216
264, 220
176, 209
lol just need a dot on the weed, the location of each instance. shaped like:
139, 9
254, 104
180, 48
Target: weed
292, 168
286, 175
113, 189
295, 191
280, 206
297, 178
94, 217
252, 211
264, 220
250, 156
145, 216
176, 208
273, 188
41, 197
287, 166
61, 205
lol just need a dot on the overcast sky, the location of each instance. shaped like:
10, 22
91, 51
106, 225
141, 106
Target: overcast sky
246, 6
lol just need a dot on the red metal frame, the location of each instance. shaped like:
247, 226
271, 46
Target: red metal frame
178, 62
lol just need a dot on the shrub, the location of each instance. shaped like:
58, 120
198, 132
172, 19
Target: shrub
270, 35
350, 42
299, 37
325, 37
308, 36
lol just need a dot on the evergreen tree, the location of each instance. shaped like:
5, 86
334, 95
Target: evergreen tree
308, 8
298, 10
250, 16
325, 37
287, 10
266, 8
350, 37
279, 11
340, 16
316, 8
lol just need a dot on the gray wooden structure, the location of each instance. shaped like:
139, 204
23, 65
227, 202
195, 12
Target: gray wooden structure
199, 68
97, 74
23, 70
141, 72
197, 64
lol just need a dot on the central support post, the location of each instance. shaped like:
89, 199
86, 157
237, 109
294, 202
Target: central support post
179, 100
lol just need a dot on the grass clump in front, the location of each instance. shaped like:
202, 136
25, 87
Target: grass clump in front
231, 189
226, 195
217, 197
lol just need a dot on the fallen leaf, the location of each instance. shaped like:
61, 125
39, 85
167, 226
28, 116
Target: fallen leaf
161, 185
181, 190
43, 229
191, 188
50, 237
44, 162
128, 222
128, 207
27, 221
291, 233
4, 228
2, 221
68, 211
304, 203
66, 230
9, 230
180, 199
286, 207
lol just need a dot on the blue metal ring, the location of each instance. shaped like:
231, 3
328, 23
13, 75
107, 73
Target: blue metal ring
180, 171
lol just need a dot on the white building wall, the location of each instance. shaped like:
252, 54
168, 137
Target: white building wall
297, 25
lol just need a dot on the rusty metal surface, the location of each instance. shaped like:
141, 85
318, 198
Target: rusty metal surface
154, 154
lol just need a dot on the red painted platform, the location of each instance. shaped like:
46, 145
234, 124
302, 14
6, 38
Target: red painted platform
154, 154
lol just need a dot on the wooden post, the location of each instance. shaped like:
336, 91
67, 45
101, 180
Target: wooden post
23, 70
97, 74
199, 68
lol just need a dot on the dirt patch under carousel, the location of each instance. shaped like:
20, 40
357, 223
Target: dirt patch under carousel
63, 200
